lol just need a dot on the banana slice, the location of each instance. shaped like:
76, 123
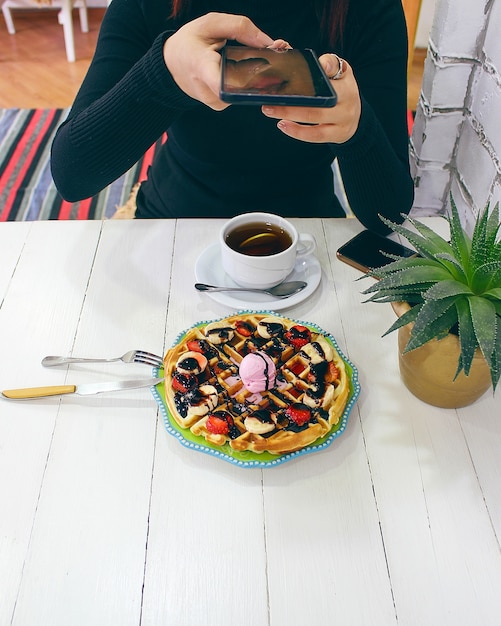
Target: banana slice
205, 400
319, 350
323, 402
191, 363
219, 332
270, 327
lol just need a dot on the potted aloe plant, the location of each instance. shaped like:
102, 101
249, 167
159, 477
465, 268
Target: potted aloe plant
448, 300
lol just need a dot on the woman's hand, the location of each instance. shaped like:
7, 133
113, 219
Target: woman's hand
324, 125
191, 54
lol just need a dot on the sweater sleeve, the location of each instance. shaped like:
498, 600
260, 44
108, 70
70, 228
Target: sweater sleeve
374, 163
127, 100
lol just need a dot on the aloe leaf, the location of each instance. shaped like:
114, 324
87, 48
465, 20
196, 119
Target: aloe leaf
492, 225
496, 252
430, 235
479, 248
408, 317
496, 361
399, 290
384, 297
431, 311
453, 265
394, 257
410, 276
496, 277
446, 289
427, 248
484, 319
486, 276
403, 264
461, 244
404, 294
433, 329
467, 338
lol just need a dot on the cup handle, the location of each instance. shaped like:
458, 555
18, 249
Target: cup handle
306, 244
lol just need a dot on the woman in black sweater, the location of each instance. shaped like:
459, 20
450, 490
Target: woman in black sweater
156, 69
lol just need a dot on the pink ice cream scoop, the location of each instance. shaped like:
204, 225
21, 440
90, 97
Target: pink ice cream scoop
257, 372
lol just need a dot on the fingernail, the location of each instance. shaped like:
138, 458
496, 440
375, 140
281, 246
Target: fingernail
282, 125
267, 110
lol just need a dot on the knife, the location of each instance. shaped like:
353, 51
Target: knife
81, 390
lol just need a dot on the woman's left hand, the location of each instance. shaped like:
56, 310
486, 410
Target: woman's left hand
324, 125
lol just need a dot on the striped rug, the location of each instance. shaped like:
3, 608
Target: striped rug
27, 191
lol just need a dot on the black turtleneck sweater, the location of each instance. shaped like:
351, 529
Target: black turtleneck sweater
218, 164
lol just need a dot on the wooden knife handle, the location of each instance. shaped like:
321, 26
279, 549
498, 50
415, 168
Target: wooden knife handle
38, 392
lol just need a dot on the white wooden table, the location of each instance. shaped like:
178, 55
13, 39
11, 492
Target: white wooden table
106, 520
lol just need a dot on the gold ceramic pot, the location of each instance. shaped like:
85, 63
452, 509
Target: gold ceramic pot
428, 372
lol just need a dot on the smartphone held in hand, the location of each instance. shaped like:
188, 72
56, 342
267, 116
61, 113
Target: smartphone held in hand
365, 251
281, 77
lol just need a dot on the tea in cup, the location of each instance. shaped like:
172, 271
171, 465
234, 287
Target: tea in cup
259, 250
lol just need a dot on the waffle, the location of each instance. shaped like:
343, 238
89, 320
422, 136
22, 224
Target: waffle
205, 393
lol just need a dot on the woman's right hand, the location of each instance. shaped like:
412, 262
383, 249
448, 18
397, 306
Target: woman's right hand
192, 53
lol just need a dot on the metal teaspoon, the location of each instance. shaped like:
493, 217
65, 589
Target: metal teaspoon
284, 290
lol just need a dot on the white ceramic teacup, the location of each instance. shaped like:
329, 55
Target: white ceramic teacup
259, 250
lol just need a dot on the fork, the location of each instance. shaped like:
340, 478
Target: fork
133, 356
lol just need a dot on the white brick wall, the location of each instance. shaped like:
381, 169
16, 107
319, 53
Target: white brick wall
456, 140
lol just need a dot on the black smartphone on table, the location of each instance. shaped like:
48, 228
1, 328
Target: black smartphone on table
282, 77
365, 251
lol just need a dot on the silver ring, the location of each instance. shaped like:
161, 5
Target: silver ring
339, 73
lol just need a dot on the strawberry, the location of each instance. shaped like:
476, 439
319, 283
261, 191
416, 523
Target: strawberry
184, 382
219, 422
332, 373
196, 345
299, 413
202, 346
318, 372
243, 328
298, 336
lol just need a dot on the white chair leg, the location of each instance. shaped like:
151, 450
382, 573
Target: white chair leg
8, 19
84, 22
65, 19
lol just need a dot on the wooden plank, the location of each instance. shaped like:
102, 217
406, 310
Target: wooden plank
322, 526
37, 317
206, 561
326, 561
428, 494
92, 518
12, 239
482, 430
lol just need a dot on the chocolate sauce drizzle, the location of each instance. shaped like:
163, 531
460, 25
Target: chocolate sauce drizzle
266, 369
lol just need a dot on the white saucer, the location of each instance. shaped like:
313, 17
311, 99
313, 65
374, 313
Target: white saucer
209, 269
